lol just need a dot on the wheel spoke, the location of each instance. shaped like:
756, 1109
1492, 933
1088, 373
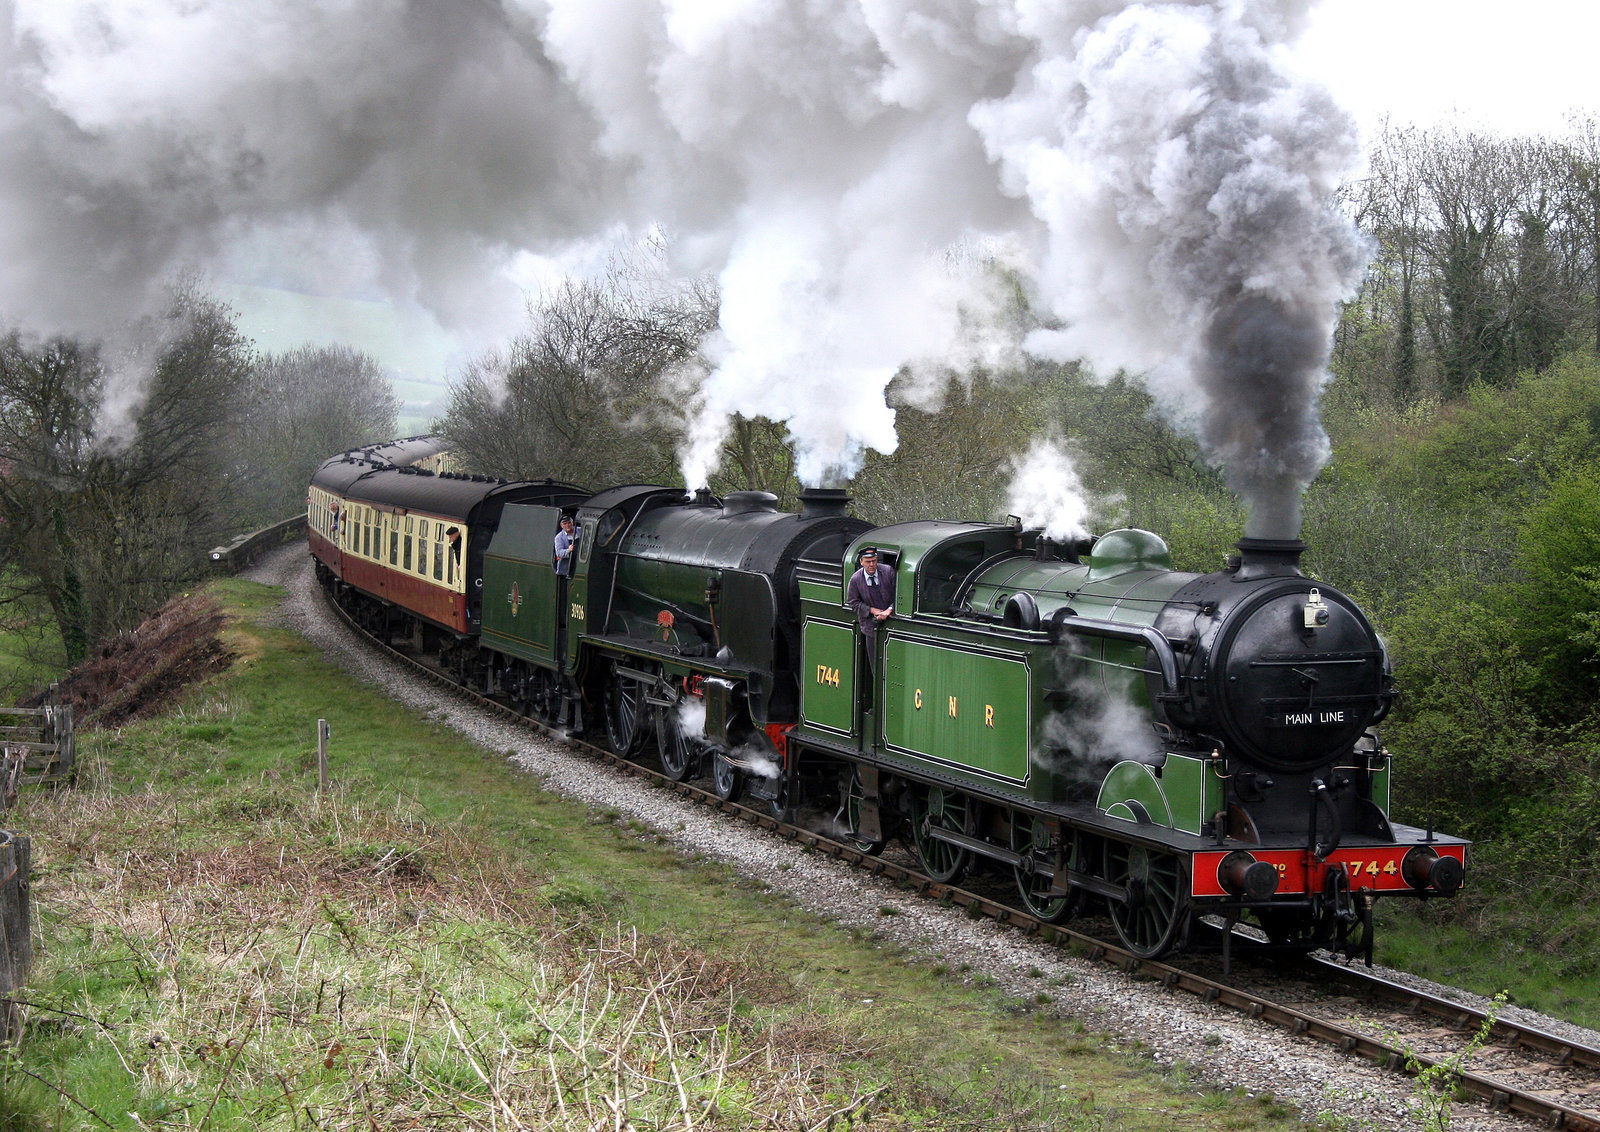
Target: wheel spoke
622, 695
1034, 884
726, 779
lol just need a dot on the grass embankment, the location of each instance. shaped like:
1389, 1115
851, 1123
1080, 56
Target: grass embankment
439, 942
30, 649
1535, 949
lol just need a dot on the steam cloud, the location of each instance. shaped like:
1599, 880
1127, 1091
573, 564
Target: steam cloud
1101, 726
1155, 168
1045, 492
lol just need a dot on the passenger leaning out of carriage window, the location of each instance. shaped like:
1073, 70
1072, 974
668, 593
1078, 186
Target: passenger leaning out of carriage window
454, 535
566, 543
871, 597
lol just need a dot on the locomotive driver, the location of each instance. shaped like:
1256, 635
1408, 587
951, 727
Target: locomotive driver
566, 541
871, 597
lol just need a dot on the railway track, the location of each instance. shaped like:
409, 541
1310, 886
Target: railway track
1512, 1067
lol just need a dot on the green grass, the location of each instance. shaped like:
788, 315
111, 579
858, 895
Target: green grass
30, 654
1545, 953
438, 940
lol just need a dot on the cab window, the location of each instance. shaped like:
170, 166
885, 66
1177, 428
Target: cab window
941, 573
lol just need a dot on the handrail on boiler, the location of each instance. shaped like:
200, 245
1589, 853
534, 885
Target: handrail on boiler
1136, 634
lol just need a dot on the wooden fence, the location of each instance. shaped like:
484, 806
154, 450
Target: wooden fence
36, 747
16, 930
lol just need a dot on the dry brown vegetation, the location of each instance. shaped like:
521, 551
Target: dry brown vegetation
138, 674
340, 967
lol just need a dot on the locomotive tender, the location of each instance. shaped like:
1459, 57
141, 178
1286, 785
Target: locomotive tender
992, 725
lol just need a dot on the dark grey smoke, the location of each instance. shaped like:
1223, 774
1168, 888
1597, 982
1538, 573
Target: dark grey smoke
1262, 367
1185, 176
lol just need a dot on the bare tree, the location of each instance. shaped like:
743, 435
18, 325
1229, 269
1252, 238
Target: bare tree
582, 395
304, 406
104, 515
1581, 159
953, 461
1485, 243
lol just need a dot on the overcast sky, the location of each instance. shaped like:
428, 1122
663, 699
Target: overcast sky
1506, 67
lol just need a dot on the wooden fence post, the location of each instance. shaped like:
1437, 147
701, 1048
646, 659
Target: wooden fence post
323, 733
16, 929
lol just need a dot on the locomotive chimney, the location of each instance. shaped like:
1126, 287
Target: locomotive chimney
1269, 557
823, 502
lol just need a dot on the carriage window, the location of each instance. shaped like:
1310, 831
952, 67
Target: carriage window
438, 561
394, 548
366, 534
424, 531
406, 565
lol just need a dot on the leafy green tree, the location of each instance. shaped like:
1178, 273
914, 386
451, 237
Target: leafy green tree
1557, 596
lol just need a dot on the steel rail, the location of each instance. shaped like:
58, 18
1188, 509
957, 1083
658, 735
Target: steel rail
1513, 1035
1372, 1047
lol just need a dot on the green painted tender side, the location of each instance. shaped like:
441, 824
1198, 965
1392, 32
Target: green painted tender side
519, 585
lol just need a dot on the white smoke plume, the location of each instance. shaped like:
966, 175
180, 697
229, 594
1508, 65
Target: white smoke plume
1100, 725
1154, 167
1046, 492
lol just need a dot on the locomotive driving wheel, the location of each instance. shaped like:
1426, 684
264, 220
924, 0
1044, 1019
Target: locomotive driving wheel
935, 808
854, 794
624, 701
726, 779
678, 756
1033, 840
1155, 915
